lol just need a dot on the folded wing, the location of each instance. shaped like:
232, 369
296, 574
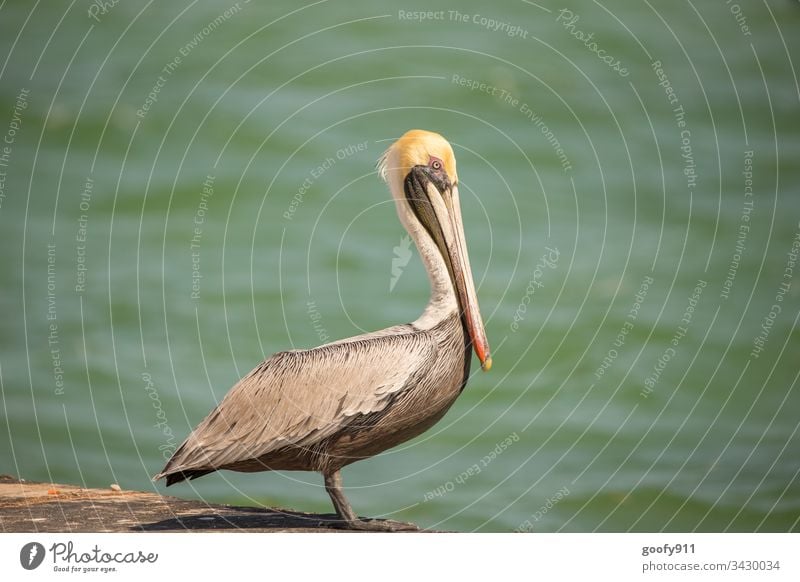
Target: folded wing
300, 397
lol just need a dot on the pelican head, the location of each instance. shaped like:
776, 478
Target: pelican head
420, 169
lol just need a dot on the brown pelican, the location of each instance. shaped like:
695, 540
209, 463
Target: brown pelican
324, 408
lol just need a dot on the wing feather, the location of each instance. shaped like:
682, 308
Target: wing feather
300, 397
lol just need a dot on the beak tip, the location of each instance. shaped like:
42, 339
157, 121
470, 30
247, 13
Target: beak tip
486, 365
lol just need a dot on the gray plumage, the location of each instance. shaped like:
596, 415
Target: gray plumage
324, 408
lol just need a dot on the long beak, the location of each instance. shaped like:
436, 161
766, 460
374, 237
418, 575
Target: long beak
449, 237
465, 286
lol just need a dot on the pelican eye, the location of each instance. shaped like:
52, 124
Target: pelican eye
436, 163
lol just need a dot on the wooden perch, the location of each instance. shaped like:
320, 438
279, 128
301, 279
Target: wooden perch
44, 507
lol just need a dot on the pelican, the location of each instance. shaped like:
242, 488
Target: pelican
323, 408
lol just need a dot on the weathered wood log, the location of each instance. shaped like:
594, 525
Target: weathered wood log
45, 507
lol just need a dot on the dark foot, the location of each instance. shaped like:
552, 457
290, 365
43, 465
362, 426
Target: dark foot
347, 517
379, 525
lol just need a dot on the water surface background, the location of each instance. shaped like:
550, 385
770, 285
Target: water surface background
188, 187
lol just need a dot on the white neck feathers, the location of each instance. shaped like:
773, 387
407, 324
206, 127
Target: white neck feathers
443, 301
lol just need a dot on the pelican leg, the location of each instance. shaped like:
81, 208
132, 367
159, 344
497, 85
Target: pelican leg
333, 485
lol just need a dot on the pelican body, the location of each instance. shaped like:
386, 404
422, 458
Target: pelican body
323, 408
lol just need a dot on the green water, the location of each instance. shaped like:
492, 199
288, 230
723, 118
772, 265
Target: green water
621, 398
